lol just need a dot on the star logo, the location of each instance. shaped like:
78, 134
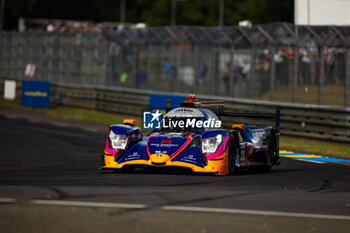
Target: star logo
156, 115
152, 120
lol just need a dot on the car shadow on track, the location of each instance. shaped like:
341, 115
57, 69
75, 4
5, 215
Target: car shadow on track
184, 171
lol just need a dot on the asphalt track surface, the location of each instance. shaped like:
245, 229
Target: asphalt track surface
49, 182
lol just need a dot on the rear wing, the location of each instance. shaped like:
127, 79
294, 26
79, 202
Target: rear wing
218, 108
276, 116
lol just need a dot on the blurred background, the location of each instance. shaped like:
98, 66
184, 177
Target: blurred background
288, 51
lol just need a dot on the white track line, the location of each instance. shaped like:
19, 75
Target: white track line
91, 130
181, 208
88, 204
7, 200
256, 212
61, 125
310, 161
11, 117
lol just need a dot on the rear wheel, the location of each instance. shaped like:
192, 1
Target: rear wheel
270, 153
232, 156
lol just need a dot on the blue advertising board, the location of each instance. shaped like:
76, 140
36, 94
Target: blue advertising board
158, 101
35, 94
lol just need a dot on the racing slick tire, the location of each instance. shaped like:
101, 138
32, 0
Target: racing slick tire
232, 156
270, 152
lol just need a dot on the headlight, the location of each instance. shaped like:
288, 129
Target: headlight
118, 142
210, 145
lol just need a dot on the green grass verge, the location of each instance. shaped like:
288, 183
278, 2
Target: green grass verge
316, 147
303, 145
333, 95
73, 113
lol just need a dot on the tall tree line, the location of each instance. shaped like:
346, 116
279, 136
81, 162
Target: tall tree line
152, 12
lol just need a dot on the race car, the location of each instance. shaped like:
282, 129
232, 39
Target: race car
191, 136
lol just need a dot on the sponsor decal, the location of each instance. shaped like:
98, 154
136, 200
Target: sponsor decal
189, 159
35, 93
130, 157
163, 145
135, 154
161, 152
166, 141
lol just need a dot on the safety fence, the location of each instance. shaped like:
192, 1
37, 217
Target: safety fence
313, 121
275, 62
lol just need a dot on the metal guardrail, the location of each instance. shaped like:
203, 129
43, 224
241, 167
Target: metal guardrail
312, 121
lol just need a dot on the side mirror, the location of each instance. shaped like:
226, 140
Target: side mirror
130, 122
239, 126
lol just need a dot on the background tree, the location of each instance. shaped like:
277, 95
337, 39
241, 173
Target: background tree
152, 12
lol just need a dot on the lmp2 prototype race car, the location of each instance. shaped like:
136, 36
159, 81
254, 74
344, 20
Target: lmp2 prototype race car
191, 137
